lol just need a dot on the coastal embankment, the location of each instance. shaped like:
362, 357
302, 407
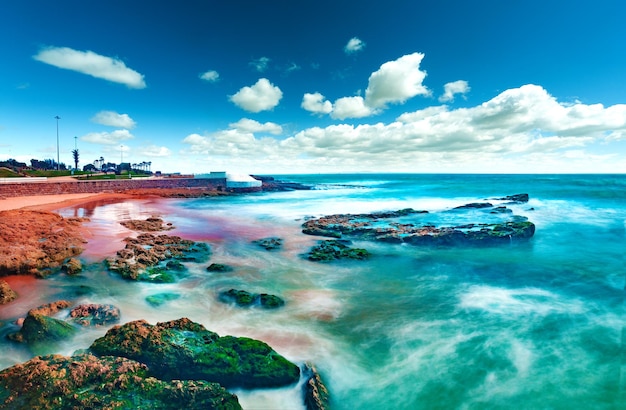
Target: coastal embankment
70, 186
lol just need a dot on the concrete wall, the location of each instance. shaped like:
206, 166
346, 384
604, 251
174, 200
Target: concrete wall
50, 187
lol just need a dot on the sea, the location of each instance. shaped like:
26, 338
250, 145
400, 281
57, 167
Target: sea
527, 324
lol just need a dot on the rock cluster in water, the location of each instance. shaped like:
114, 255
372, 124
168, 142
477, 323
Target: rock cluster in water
244, 298
385, 227
157, 258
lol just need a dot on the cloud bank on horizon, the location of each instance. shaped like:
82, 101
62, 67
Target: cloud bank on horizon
400, 116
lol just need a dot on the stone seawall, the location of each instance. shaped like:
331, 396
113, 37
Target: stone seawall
8, 190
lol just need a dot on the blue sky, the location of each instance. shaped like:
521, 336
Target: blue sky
317, 86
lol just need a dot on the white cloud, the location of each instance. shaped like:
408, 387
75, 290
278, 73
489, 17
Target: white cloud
252, 126
107, 138
316, 103
260, 64
210, 76
354, 44
262, 96
350, 107
523, 129
95, 65
113, 119
451, 89
154, 151
396, 81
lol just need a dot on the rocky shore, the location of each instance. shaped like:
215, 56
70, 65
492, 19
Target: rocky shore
180, 363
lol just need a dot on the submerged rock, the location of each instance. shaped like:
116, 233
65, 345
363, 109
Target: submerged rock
330, 250
6, 293
182, 349
95, 315
219, 267
475, 205
90, 382
246, 299
269, 244
161, 298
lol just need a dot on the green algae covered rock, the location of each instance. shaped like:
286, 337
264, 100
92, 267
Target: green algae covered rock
39, 330
326, 251
182, 349
90, 382
244, 298
161, 298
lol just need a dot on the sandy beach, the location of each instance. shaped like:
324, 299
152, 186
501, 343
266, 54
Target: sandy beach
53, 202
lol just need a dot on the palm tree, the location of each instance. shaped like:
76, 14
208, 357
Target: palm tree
75, 155
101, 163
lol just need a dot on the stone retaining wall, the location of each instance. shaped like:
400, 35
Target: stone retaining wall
106, 185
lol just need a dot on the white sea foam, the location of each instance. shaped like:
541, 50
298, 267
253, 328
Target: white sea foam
520, 301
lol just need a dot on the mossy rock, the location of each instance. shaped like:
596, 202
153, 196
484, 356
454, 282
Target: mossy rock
326, 251
43, 333
244, 298
182, 349
219, 267
161, 298
90, 382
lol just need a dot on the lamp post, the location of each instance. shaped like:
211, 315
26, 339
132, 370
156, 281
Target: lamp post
58, 158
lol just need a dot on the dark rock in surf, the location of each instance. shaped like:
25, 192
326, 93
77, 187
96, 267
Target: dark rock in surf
246, 299
515, 198
269, 244
316, 395
219, 267
326, 251
475, 205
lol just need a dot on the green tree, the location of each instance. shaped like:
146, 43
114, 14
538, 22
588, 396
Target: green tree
75, 155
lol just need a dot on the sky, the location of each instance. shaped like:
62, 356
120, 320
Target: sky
286, 87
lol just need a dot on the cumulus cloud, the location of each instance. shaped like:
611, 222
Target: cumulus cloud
316, 103
260, 64
262, 96
252, 126
354, 44
90, 63
154, 151
396, 81
210, 76
351, 107
523, 129
107, 138
113, 119
451, 89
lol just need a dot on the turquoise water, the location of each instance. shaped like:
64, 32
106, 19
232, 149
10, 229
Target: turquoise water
530, 325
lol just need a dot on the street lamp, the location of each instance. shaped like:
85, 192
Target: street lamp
58, 158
